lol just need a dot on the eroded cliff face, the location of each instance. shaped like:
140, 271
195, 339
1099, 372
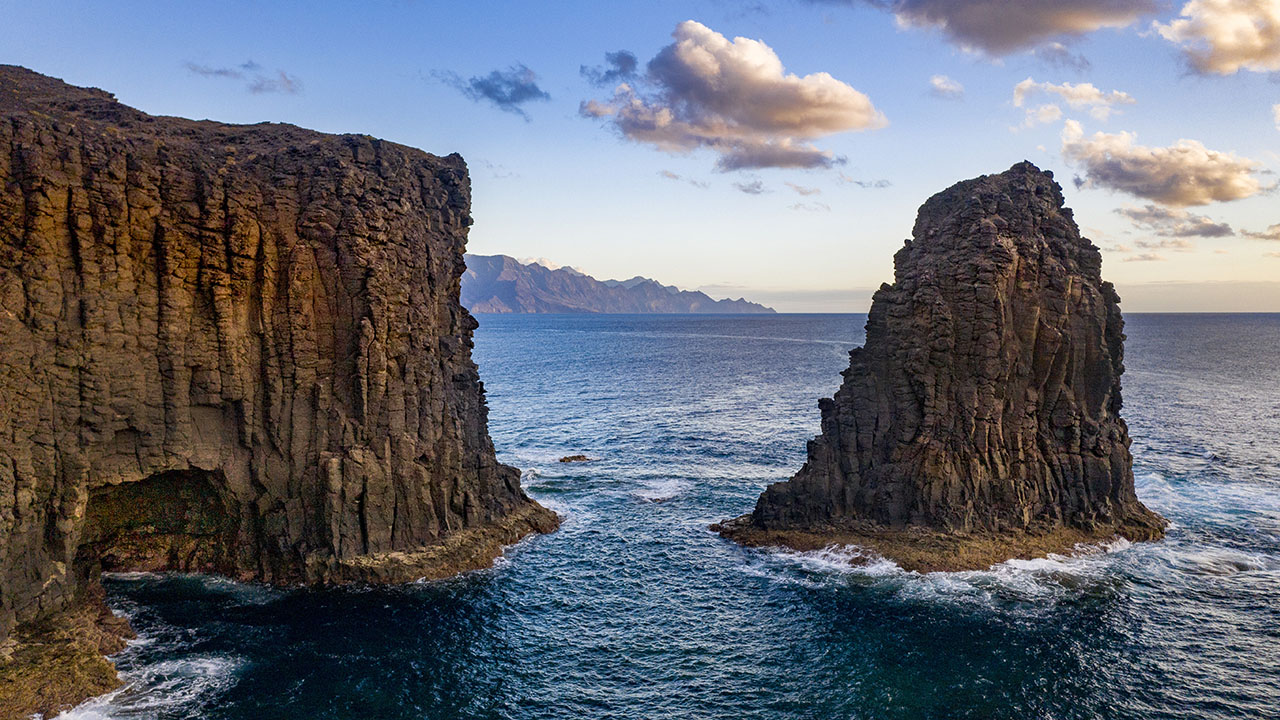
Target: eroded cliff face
235, 349
986, 399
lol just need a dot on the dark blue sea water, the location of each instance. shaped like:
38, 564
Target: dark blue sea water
634, 610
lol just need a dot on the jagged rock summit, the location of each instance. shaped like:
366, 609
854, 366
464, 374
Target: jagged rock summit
234, 349
981, 419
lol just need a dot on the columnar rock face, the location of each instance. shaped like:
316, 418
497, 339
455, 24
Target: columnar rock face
232, 348
987, 396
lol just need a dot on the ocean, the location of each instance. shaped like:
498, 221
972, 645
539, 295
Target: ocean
633, 609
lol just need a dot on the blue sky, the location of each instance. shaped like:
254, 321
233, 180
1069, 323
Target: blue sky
1182, 225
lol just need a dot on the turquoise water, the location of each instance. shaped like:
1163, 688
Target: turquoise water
634, 610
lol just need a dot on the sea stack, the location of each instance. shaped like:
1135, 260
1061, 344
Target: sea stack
981, 419
230, 349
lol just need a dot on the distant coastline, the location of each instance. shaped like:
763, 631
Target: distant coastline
503, 284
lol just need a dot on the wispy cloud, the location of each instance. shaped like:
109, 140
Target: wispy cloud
1175, 223
804, 190
1176, 244
1145, 257
1223, 37
944, 87
735, 98
1186, 173
811, 207
255, 78
754, 187
618, 67
866, 184
680, 178
508, 90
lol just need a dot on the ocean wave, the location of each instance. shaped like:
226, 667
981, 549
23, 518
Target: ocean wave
1089, 571
154, 691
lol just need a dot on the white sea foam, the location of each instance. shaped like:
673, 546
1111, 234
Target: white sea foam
1089, 570
151, 691
662, 490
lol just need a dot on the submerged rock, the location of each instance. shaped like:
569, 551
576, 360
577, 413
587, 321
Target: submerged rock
235, 349
981, 419
575, 458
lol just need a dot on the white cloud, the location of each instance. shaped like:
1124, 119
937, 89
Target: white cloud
944, 87
735, 98
1226, 36
1186, 173
1175, 223
999, 27
1085, 95
1145, 257
1042, 115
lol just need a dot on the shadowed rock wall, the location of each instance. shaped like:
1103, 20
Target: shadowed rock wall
987, 395
269, 309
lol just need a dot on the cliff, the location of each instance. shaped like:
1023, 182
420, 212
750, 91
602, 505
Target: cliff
502, 284
981, 419
232, 349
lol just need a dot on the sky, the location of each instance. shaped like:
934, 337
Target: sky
776, 150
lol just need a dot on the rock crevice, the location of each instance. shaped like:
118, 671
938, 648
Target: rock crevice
270, 310
986, 399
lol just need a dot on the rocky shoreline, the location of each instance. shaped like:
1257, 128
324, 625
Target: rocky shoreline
921, 550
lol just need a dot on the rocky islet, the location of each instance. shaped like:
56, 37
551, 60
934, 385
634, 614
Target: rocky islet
981, 419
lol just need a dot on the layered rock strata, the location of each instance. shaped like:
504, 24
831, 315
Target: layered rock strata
981, 419
235, 349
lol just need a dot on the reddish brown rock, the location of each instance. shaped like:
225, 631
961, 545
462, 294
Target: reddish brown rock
984, 407
235, 349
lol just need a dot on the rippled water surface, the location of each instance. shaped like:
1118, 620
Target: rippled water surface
634, 610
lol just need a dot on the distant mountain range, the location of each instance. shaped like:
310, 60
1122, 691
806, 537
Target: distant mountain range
502, 284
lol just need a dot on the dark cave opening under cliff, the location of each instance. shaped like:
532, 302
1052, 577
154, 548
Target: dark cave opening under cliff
174, 520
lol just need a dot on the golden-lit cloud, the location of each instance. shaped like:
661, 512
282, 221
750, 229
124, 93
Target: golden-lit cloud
1226, 36
735, 98
1084, 95
1185, 173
